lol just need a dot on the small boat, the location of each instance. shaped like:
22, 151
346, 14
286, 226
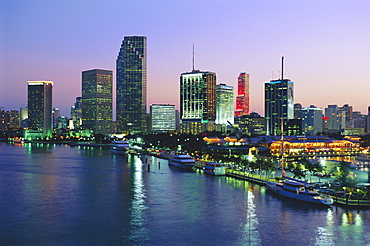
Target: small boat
18, 141
119, 147
214, 168
182, 161
363, 157
298, 190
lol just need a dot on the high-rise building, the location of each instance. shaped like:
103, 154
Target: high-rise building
97, 100
297, 111
24, 117
346, 112
197, 101
278, 104
224, 104
76, 114
40, 95
131, 85
367, 129
198, 96
242, 98
9, 119
251, 124
163, 117
333, 115
56, 115
312, 120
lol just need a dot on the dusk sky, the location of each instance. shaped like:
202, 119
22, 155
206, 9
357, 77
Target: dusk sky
326, 45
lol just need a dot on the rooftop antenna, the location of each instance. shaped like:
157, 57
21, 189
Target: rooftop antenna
193, 56
282, 68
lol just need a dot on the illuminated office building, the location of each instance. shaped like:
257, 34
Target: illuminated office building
197, 101
76, 114
278, 104
40, 95
97, 100
312, 121
163, 117
131, 85
242, 98
198, 96
297, 111
224, 104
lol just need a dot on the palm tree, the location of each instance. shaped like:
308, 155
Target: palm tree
298, 173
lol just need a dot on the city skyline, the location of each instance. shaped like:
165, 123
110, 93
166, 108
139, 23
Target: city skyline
326, 48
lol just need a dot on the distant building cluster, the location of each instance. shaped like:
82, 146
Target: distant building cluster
204, 106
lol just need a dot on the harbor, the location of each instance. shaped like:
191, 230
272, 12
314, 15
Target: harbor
55, 194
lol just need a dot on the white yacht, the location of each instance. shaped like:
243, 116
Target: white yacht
119, 147
214, 168
182, 161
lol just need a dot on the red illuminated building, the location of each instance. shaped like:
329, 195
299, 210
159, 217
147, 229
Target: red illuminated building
242, 98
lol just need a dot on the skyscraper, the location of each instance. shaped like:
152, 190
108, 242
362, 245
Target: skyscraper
346, 112
278, 104
242, 98
163, 117
312, 120
76, 113
197, 101
224, 104
97, 100
40, 95
131, 85
333, 115
198, 96
297, 111
367, 129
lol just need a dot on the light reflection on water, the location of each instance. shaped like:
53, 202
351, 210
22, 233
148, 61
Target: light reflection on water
249, 232
138, 230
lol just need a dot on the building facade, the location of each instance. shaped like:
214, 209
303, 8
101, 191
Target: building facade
333, 118
297, 111
197, 101
242, 98
367, 129
163, 117
131, 85
76, 114
312, 122
40, 95
97, 100
224, 104
198, 96
252, 124
278, 105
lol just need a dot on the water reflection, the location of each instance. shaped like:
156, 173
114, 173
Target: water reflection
249, 233
139, 234
325, 234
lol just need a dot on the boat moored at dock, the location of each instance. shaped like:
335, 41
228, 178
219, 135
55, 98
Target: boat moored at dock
214, 168
119, 147
182, 161
298, 190
363, 157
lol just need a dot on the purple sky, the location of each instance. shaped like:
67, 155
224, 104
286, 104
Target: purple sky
326, 45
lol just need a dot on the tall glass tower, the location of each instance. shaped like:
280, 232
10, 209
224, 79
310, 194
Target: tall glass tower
131, 85
279, 104
224, 104
97, 100
242, 98
40, 95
